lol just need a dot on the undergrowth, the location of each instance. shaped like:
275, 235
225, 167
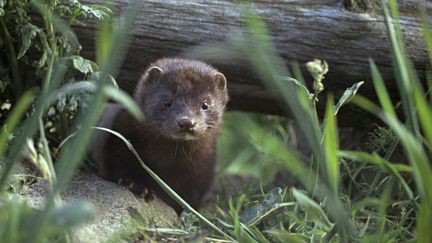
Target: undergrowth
337, 195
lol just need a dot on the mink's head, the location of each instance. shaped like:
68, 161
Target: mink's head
182, 99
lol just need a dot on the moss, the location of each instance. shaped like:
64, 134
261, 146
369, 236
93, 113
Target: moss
356, 6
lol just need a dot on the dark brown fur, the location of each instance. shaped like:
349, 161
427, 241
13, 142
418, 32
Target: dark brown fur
183, 158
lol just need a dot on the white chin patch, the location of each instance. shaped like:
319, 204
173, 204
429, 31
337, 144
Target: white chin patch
184, 136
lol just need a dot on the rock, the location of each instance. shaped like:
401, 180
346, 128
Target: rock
114, 204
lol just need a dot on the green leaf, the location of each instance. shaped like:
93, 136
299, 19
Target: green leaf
28, 33
98, 75
331, 143
424, 111
347, 96
313, 210
13, 119
286, 236
403, 67
71, 88
97, 11
46, 50
424, 222
381, 90
124, 99
298, 83
427, 33
254, 214
2, 3
83, 65
104, 41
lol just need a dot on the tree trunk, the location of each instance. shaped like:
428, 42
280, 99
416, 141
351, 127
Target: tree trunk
345, 36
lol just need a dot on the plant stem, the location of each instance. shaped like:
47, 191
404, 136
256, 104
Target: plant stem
53, 46
16, 76
47, 155
45, 89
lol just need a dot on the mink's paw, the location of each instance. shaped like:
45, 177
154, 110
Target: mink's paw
138, 189
127, 182
146, 194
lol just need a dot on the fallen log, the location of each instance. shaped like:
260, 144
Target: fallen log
344, 34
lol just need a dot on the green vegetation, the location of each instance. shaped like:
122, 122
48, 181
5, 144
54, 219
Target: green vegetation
51, 79
330, 195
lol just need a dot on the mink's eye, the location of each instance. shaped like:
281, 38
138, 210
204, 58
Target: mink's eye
205, 106
167, 103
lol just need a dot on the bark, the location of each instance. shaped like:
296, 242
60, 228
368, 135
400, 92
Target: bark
343, 35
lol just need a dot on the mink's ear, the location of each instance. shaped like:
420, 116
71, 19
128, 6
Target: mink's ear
153, 73
220, 81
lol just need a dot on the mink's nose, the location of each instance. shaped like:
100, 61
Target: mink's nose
186, 124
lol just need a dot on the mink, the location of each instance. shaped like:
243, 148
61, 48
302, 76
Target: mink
183, 102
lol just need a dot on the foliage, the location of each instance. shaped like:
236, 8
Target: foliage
339, 196
36, 37
33, 51
377, 200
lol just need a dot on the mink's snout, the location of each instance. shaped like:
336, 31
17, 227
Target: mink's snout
186, 124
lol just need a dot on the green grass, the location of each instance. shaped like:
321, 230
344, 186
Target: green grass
363, 195
336, 195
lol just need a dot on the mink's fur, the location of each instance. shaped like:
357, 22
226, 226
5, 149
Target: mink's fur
171, 91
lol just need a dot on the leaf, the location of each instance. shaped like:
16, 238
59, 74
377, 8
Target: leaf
2, 3
68, 89
83, 65
46, 50
167, 231
28, 33
273, 201
104, 41
424, 222
331, 146
97, 11
274, 196
362, 231
313, 210
250, 214
380, 89
298, 83
286, 236
123, 98
14, 118
98, 75
347, 96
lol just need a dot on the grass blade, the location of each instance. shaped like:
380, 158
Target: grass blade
124, 99
14, 118
401, 65
331, 144
393, 169
383, 95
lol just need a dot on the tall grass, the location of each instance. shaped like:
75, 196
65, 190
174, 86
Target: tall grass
324, 209
19, 223
415, 134
347, 216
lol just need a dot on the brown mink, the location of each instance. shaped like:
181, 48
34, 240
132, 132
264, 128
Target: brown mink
183, 102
